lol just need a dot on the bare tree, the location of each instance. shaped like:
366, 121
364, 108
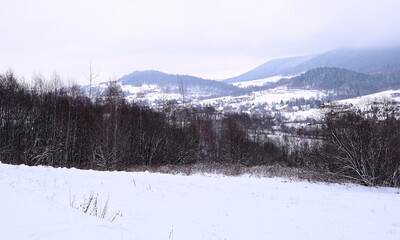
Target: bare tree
164, 97
91, 76
363, 146
114, 97
182, 90
141, 97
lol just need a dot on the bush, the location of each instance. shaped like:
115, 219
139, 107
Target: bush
363, 146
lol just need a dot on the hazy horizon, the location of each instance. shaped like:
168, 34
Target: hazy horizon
208, 39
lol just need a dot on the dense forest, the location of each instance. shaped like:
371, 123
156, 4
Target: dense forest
44, 123
340, 83
345, 82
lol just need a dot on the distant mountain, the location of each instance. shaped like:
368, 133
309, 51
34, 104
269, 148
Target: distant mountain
157, 86
191, 83
270, 68
342, 82
373, 61
337, 74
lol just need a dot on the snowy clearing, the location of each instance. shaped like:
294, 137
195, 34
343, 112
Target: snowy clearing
263, 81
259, 82
35, 204
368, 99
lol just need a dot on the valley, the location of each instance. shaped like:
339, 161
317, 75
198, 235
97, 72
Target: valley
288, 90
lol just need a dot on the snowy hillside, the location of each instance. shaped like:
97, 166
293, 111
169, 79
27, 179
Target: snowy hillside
36, 204
261, 82
367, 99
269, 101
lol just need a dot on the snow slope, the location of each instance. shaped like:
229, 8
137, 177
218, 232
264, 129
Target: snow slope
368, 99
261, 82
258, 82
35, 204
269, 96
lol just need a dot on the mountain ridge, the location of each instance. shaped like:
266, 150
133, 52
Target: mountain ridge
342, 81
371, 61
161, 79
271, 68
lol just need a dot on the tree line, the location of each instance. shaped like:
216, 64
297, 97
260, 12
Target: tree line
48, 124
58, 126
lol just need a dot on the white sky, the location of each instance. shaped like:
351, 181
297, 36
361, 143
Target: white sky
209, 38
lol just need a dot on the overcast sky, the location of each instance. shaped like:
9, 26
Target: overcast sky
213, 39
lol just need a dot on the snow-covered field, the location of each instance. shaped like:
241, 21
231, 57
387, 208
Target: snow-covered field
393, 95
261, 82
269, 96
35, 204
283, 94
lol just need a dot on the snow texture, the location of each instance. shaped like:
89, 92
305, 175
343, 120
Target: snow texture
35, 204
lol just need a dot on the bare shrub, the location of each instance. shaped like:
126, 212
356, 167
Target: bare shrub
270, 171
363, 146
92, 205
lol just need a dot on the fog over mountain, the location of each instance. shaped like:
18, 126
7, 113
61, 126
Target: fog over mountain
270, 68
372, 61
213, 39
